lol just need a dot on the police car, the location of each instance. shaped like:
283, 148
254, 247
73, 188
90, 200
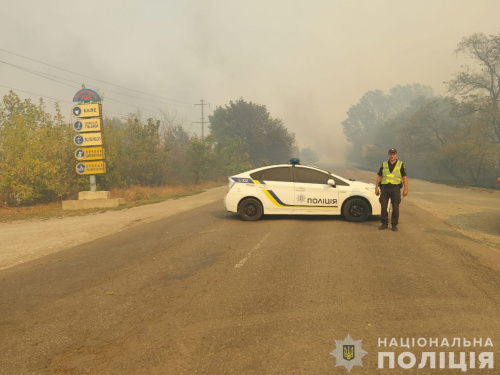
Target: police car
294, 189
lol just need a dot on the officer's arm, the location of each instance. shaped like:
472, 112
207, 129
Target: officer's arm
379, 178
405, 182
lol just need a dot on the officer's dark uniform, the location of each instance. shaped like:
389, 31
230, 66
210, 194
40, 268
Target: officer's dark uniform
390, 188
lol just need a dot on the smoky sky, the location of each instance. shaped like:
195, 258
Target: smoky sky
306, 61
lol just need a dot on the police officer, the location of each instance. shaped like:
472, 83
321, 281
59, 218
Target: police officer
391, 177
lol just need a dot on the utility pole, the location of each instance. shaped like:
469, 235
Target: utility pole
202, 119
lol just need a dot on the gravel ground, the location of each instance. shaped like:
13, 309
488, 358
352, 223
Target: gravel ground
473, 212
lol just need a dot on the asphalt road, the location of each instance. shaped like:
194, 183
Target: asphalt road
202, 292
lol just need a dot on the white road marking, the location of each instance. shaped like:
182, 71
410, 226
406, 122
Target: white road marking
242, 262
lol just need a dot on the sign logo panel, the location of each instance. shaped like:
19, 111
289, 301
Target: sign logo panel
88, 139
86, 95
88, 125
87, 110
91, 167
89, 153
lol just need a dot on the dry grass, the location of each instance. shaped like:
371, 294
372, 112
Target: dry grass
135, 196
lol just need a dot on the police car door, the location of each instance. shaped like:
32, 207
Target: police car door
312, 192
276, 189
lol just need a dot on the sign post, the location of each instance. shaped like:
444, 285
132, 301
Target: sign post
93, 183
89, 126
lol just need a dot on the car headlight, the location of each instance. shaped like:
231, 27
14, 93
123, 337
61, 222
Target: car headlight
230, 184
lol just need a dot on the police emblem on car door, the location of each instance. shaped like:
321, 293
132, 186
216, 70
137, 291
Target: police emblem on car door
312, 191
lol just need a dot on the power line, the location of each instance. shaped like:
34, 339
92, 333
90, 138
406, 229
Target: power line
58, 79
71, 103
40, 74
48, 76
41, 96
95, 79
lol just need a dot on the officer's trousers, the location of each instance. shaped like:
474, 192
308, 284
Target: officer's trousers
392, 193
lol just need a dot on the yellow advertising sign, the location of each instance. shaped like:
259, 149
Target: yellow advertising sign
87, 110
90, 153
88, 139
91, 167
88, 125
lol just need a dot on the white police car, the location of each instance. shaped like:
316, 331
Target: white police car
294, 189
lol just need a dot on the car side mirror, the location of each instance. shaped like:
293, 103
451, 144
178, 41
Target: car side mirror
331, 182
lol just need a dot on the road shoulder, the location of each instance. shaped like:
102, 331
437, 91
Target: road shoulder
25, 241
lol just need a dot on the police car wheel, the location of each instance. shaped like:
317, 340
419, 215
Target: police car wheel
356, 210
250, 209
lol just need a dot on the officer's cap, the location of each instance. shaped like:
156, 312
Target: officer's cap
393, 151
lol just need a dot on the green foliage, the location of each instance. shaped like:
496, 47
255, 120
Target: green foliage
450, 136
114, 145
232, 159
466, 157
438, 138
366, 117
201, 157
371, 124
36, 160
264, 139
134, 154
175, 141
363, 118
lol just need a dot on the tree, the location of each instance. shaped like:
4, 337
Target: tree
232, 159
465, 156
369, 125
175, 141
144, 158
402, 97
372, 109
481, 87
426, 130
36, 153
263, 138
375, 107
445, 139
429, 126
200, 156
134, 154
116, 154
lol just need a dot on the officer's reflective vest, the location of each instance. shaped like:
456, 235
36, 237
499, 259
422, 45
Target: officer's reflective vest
391, 178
